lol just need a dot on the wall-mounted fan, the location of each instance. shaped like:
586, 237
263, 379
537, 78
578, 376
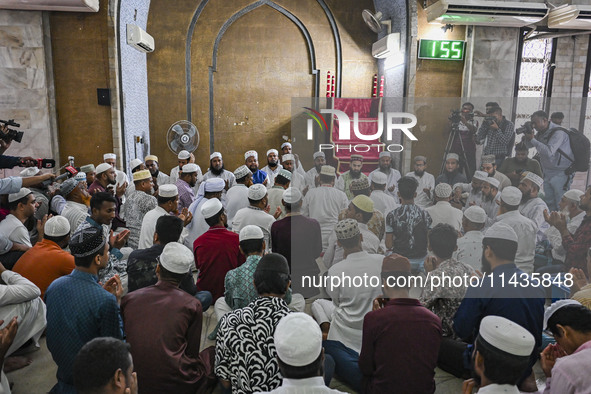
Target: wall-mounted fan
182, 135
374, 21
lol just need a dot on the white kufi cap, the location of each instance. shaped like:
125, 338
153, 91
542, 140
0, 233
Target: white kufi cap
189, 167
298, 339
506, 336
135, 163
288, 157
18, 195
214, 185
292, 195
492, 181
475, 214
215, 154
102, 168
511, 195
574, 195
57, 226
319, 154
554, 307
251, 153
184, 155
167, 191
211, 208
177, 258
109, 156
379, 178
250, 232
443, 190
500, 230
257, 191
481, 175
535, 179
272, 151
241, 172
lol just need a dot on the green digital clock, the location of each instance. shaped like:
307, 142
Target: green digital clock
441, 49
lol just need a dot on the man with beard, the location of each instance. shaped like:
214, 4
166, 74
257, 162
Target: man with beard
135, 165
217, 170
217, 251
286, 150
237, 195
314, 172
521, 302
344, 181
474, 188
77, 202
251, 160
490, 200
514, 166
577, 244
532, 206
297, 180
184, 157
105, 181
140, 202
525, 228
451, 174
90, 172
158, 177
500, 356
497, 134
212, 188
426, 182
185, 184
122, 179
392, 174
488, 165
40, 192
272, 168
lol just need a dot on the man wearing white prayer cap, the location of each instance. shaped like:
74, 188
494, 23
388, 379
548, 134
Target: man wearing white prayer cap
22, 206
121, 177
158, 176
311, 176
186, 184
491, 199
251, 160
532, 206
272, 168
392, 175
237, 195
451, 172
185, 157
442, 211
297, 179
521, 301
212, 188
286, 149
40, 191
426, 182
469, 249
325, 202
135, 165
256, 213
217, 170
138, 204
500, 356
525, 228
569, 207
383, 202
282, 181
475, 188
354, 172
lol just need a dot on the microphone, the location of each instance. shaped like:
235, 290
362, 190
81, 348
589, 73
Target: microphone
39, 163
70, 172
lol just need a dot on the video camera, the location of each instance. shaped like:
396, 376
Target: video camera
456, 116
527, 128
11, 134
489, 120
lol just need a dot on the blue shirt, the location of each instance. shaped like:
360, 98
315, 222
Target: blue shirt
78, 310
259, 176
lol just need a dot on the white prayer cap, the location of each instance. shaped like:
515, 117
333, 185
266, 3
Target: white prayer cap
535, 179
141, 175
443, 190
109, 156
298, 339
379, 178
285, 144
184, 155
88, 168
460, 185
475, 214
135, 163
328, 170
574, 195
511, 195
29, 171
176, 258
215, 154
493, 181
151, 157
554, 307
257, 191
453, 156
488, 159
292, 195
57, 226
251, 153
288, 157
18, 195
102, 168
167, 191
80, 176
241, 172
214, 185
319, 154
284, 173
211, 208
189, 167
506, 335
68, 187
500, 230
385, 154
481, 175
250, 232
272, 151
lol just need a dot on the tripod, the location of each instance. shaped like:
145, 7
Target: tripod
450, 140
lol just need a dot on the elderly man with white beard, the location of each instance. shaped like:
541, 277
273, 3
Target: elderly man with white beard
532, 206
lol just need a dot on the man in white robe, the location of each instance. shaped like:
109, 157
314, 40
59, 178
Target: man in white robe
382, 201
255, 213
314, 172
569, 206
426, 182
469, 249
442, 211
217, 170
212, 188
392, 174
273, 167
532, 206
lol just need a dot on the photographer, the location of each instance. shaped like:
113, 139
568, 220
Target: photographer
499, 134
6, 137
513, 167
552, 144
464, 126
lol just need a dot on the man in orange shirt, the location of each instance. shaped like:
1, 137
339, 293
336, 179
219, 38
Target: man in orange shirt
47, 261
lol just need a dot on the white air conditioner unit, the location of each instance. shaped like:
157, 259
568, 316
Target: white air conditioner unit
51, 5
139, 39
485, 13
387, 46
570, 17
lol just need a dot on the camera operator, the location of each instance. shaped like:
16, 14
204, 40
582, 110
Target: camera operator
499, 134
552, 144
466, 127
11, 161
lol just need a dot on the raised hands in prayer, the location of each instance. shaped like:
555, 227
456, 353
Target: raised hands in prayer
118, 240
549, 356
556, 219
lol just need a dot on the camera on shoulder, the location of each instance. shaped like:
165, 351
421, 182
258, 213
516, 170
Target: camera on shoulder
11, 134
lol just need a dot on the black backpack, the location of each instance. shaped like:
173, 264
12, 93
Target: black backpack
579, 145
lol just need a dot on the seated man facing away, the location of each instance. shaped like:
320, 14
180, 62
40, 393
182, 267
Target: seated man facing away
166, 351
105, 366
500, 356
245, 356
141, 265
399, 325
469, 249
